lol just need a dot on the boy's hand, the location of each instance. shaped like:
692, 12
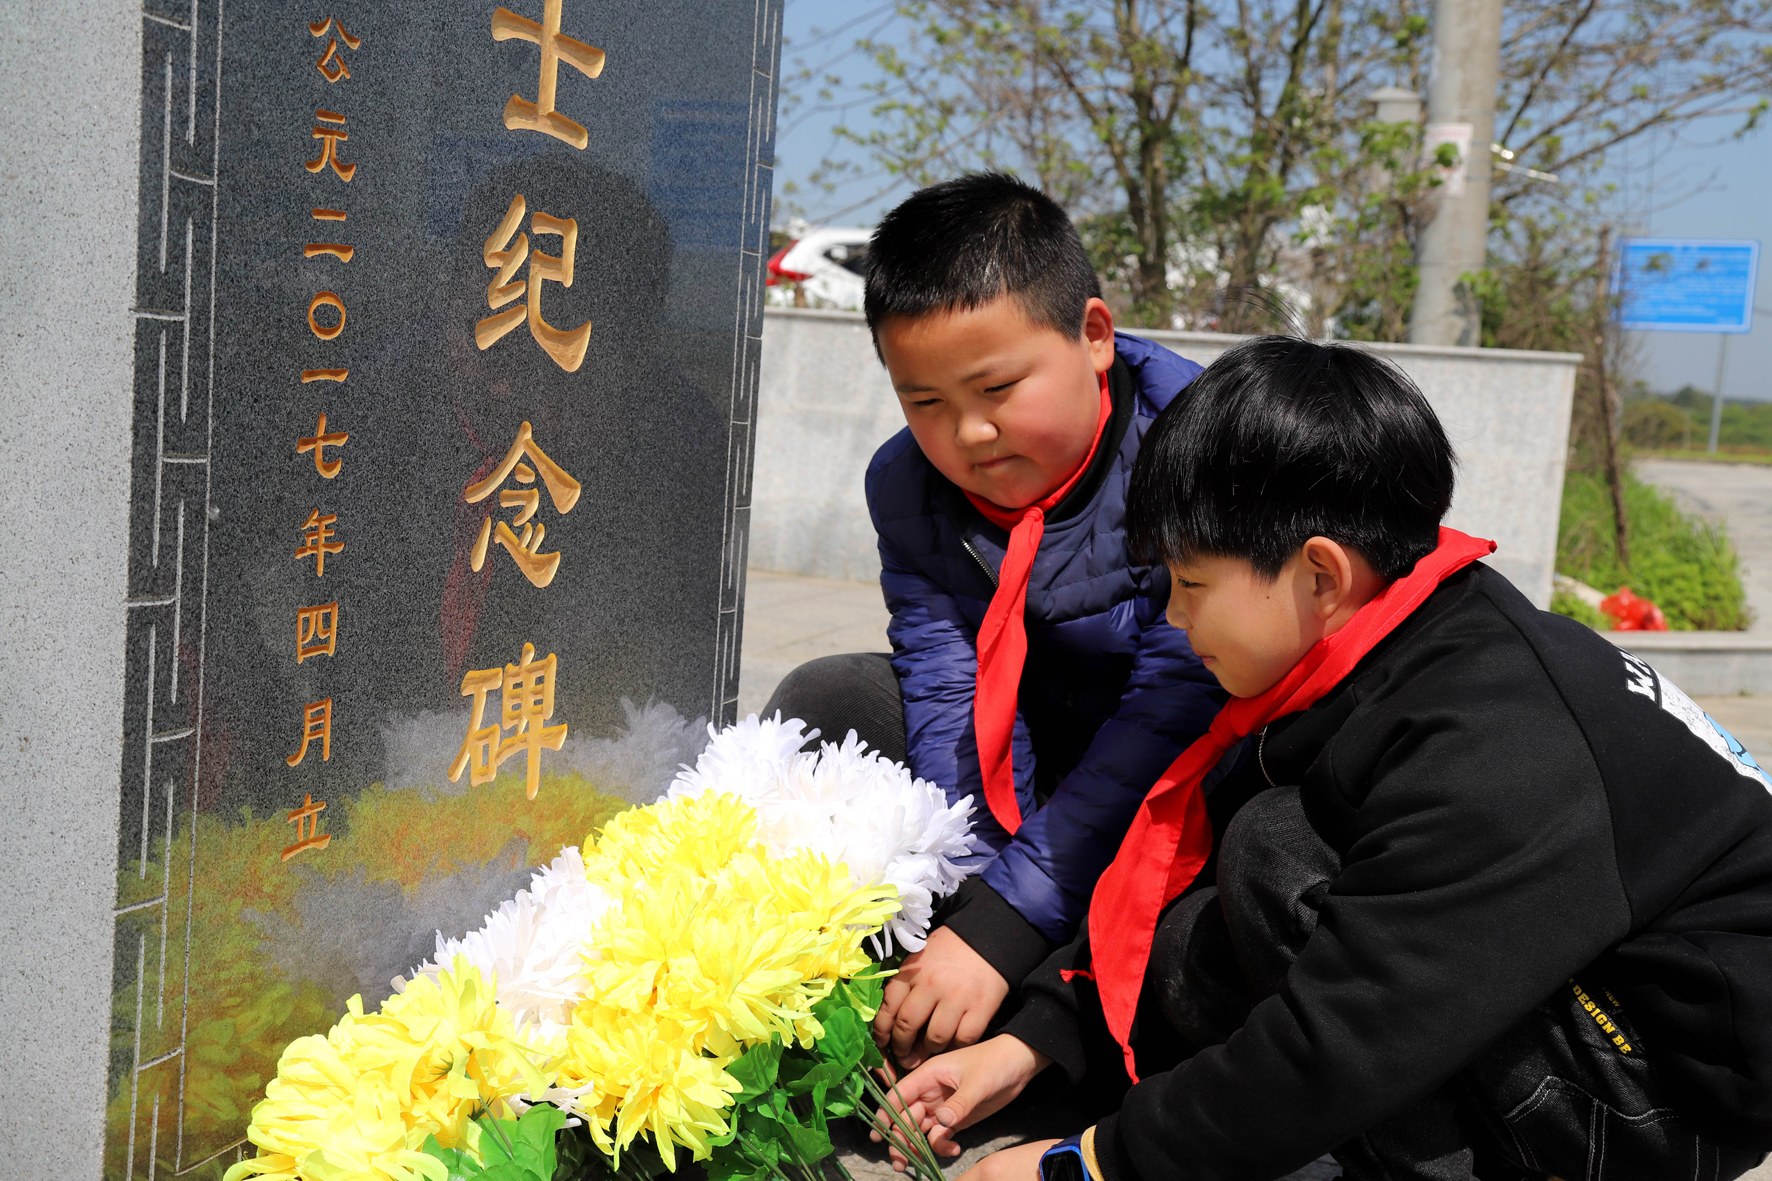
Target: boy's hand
1021, 1163
943, 996
958, 1089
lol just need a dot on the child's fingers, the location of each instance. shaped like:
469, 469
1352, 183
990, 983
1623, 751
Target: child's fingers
897, 989
938, 1034
908, 1022
899, 1096
898, 986
941, 1139
918, 1117
972, 1025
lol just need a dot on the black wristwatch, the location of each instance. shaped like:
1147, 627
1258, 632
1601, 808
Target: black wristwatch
1064, 1162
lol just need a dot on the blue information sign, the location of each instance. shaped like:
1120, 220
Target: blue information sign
1687, 284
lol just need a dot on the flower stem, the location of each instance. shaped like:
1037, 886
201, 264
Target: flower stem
909, 1138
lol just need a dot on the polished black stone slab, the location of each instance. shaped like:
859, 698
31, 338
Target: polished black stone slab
363, 211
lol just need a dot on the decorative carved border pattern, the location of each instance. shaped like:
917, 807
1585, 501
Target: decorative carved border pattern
168, 572
746, 353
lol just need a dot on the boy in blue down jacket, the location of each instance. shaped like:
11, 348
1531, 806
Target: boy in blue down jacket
1032, 665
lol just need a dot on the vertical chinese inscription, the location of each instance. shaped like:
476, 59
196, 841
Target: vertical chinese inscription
521, 271
316, 625
206, 790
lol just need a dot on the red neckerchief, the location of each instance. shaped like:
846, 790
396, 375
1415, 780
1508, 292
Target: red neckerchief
1171, 837
1002, 638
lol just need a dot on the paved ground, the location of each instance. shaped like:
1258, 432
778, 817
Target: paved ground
789, 619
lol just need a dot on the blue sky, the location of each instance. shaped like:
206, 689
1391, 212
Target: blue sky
1702, 185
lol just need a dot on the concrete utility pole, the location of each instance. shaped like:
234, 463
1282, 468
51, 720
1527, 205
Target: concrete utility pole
1461, 111
1391, 104
1716, 399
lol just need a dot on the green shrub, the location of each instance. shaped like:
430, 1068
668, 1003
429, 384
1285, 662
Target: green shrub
1656, 424
1564, 603
1684, 566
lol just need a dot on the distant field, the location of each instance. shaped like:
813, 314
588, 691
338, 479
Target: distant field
1722, 455
1677, 426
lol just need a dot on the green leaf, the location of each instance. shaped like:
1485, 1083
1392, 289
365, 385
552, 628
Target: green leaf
846, 1038
864, 992
811, 1144
743, 1160
755, 1070
531, 1153
809, 1078
533, 1137
460, 1165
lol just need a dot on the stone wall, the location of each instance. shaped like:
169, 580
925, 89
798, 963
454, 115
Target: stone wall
825, 405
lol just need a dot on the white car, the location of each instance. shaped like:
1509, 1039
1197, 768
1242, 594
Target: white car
823, 268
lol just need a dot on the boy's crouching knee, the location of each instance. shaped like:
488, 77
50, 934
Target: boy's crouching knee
1273, 872
852, 691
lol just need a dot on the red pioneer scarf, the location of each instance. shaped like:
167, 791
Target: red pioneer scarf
1002, 639
1171, 837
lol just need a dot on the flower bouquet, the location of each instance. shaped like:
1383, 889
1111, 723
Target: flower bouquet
697, 980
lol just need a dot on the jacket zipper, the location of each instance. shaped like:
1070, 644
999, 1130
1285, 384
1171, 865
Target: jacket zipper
982, 564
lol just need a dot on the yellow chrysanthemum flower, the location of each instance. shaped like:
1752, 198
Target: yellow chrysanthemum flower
360, 1102
710, 946
701, 833
647, 1075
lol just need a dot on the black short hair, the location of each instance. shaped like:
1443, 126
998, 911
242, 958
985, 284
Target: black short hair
1281, 440
960, 244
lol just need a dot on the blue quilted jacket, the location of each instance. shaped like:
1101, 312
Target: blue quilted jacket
1110, 693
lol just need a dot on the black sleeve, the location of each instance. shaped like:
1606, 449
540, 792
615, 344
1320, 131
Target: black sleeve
995, 930
1480, 875
1048, 1020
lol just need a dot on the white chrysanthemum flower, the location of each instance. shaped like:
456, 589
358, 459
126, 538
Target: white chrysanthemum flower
889, 826
848, 803
744, 758
534, 946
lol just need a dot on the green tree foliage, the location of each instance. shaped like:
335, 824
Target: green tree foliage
1210, 149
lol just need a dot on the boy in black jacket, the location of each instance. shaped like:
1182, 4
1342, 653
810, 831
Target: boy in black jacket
1496, 899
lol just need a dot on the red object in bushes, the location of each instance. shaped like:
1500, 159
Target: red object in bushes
1629, 613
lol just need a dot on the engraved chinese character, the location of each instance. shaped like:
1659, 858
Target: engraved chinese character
332, 63
330, 138
556, 47
316, 631
317, 443
524, 548
326, 299
316, 726
307, 827
338, 250
526, 702
317, 540
505, 253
